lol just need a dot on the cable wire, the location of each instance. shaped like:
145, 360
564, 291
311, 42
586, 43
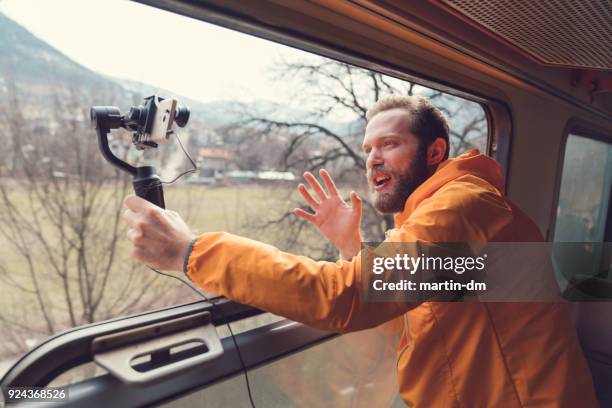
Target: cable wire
200, 293
193, 170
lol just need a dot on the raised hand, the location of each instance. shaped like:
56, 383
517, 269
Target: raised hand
333, 217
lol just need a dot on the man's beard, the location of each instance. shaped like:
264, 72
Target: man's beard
394, 200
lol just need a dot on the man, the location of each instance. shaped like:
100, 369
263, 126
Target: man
451, 354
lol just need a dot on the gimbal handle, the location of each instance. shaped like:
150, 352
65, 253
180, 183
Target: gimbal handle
148, 185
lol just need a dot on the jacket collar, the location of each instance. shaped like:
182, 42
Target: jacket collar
471, 162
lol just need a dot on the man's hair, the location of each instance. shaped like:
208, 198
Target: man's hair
426, 121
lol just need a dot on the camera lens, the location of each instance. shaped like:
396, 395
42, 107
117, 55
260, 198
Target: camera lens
181, 116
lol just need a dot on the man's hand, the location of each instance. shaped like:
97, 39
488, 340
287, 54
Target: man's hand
160, 237
333, 217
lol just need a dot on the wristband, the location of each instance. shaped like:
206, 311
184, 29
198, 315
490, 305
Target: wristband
187, 254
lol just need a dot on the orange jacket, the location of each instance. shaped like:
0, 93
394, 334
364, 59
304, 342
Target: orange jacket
451, 354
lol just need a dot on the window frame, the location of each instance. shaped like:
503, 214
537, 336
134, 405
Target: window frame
580, 128
600, 363
73, 347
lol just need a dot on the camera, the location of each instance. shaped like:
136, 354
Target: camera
151, 122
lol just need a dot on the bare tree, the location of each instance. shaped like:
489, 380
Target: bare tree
60, 216
337, 96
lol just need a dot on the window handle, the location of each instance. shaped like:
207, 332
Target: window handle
158, 350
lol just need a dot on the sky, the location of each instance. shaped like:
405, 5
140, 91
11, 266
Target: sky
138, 42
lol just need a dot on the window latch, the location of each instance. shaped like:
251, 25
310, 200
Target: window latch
158, 350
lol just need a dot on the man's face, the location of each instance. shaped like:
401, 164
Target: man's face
396, 165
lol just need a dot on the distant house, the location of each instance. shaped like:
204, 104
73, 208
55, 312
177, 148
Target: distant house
213, 164
275, 176
217, 165
261, 177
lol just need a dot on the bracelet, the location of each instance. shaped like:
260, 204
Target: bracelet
187, 254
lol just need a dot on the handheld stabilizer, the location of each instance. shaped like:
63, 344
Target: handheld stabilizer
152, 124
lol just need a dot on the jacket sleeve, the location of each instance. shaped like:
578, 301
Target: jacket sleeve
327, 295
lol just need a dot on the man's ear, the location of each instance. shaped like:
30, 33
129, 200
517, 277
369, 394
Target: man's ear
436, 152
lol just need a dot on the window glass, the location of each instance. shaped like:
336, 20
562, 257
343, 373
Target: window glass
583, 210
352, 370
261, 114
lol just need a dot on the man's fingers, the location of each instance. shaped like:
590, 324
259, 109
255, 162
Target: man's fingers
305, 215
306, 195
137, 204
133, 220
314, 184
140, 212
329, 182
140, 254
134, 234
141, 221
356, 202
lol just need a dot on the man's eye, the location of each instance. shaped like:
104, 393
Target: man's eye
389, 143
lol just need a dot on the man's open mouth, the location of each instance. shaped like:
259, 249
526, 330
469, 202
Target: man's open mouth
381, 181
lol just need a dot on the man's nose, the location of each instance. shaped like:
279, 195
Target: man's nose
374, 159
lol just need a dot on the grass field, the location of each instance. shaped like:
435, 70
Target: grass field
237, 209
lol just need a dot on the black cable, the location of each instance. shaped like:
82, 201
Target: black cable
196, 290
193, 170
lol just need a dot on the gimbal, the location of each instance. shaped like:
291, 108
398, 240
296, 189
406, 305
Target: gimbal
151, 123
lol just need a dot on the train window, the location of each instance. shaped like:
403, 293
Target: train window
348, 379
583, 211
254, 129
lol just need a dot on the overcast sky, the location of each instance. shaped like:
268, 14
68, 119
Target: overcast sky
130, 40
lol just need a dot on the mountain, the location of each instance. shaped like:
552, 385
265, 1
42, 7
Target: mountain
26, 58
40, 74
